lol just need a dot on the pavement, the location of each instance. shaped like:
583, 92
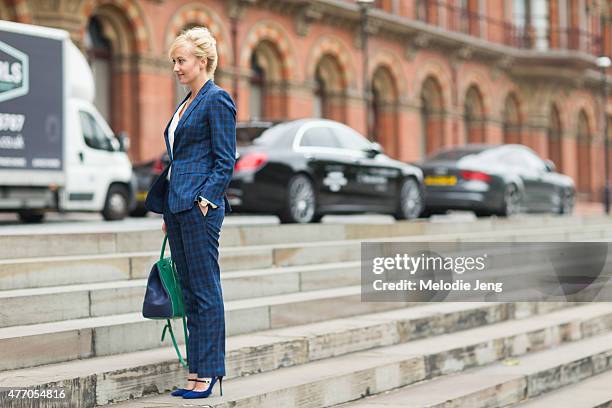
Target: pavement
87, 222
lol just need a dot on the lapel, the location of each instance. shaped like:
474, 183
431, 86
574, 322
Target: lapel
191, 107
168, 126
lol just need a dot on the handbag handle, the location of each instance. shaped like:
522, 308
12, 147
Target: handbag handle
163, 248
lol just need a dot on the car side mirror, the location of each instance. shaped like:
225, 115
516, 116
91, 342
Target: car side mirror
124, 141
550, 166
375, 149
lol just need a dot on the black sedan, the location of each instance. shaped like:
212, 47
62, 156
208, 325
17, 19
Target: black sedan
304, 169
494, 179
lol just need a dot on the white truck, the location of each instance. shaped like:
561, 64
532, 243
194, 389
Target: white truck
57, 153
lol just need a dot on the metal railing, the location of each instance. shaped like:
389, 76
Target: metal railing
446, 15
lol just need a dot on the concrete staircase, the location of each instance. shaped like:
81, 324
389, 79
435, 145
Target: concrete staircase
299, 336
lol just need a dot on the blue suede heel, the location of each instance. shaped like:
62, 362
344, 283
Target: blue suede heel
206, 393
179, 392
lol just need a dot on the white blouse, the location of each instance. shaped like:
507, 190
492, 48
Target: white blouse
173, 124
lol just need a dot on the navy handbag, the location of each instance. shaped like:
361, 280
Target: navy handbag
164, 298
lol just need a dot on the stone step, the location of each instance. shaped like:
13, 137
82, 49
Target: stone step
45, 343
594, 392
26, 273
28, 244
121, 376
23, 306
349, 377
509, 382
38, 272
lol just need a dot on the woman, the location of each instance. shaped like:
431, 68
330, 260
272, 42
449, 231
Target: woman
201, 143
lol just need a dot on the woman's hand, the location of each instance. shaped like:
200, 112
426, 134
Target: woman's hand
204, 209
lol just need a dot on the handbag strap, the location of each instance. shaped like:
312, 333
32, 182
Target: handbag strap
174, 343
163, 248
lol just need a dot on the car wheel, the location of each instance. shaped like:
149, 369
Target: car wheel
512, 201
301, 203
566, 202
482, 213
31, 216
410, 204
116, 204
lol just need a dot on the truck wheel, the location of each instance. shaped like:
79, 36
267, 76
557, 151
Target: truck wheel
116, 205
31, 217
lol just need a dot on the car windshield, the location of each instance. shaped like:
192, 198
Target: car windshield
456, 154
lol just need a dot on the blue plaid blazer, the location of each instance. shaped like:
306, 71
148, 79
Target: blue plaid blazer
203, 155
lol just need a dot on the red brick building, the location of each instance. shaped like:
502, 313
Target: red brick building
439, 73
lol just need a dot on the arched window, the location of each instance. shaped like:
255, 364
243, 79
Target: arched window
583, 154
512, 121
99, 54
329, 92
257, 88
375, 113
555, 143
320, 109
267, 83
432, 126
474, 116
383, 110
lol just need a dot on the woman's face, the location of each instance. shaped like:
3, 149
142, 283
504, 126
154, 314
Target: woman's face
187, 66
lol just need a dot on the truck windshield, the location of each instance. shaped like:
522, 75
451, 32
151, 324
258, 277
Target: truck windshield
93, 134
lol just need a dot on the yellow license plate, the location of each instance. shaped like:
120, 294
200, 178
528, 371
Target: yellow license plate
440, 180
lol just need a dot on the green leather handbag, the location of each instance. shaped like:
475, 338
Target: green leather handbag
164, 298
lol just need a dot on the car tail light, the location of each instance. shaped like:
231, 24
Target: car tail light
475, 176
251, 161
158, 166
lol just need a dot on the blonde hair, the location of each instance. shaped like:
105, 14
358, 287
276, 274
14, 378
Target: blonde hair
204, 46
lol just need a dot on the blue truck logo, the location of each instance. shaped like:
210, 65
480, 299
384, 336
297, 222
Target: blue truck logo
14, 73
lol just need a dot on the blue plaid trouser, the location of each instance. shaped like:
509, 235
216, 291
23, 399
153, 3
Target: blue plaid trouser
194, 243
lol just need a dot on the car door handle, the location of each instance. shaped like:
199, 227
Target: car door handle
81, 157
357, 161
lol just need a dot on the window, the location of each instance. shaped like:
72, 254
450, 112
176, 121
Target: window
523, 158
319, 137
350, 139
257, 87
531, 17
93, 134
532, 161
320, 96
99, 55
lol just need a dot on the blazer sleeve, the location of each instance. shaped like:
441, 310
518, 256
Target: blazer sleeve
222, 125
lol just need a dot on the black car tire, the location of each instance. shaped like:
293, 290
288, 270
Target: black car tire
301, 201
512, 201
566, 202
410, 200
116, 204
31, 216
482, 213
